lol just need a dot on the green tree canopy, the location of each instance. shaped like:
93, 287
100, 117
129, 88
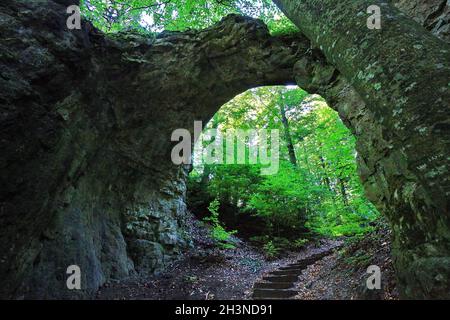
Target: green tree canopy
178, 15
321, 192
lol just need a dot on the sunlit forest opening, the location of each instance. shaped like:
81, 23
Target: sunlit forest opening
316, 190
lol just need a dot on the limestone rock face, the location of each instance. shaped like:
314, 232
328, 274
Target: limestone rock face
86, 122
432, 14
71, 191
421, 240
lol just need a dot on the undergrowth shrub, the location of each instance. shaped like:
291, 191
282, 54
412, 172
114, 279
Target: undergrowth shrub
221, 236
271, 251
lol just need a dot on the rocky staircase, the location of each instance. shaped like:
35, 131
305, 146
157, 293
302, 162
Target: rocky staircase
279, 284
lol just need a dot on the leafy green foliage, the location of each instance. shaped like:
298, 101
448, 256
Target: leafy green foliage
218, 232
360, 260
178, 15
270, 250
300, 243
329, 153
321, 194
282, 199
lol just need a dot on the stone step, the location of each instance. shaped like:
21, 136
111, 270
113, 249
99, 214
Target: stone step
281, 278
290, 272
273, 285
292, 267
280, 282
311, 259
273, 293
297, 265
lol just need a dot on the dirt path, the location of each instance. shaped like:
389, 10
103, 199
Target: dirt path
208, 273
343, 275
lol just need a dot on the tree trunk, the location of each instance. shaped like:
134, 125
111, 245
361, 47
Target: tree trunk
287, 136
325, 175
343, 191
393, 91
207, 167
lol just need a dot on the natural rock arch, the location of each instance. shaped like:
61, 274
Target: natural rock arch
86, 123
86, 138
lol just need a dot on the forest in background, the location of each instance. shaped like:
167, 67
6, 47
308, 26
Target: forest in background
316, 190
151, 17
